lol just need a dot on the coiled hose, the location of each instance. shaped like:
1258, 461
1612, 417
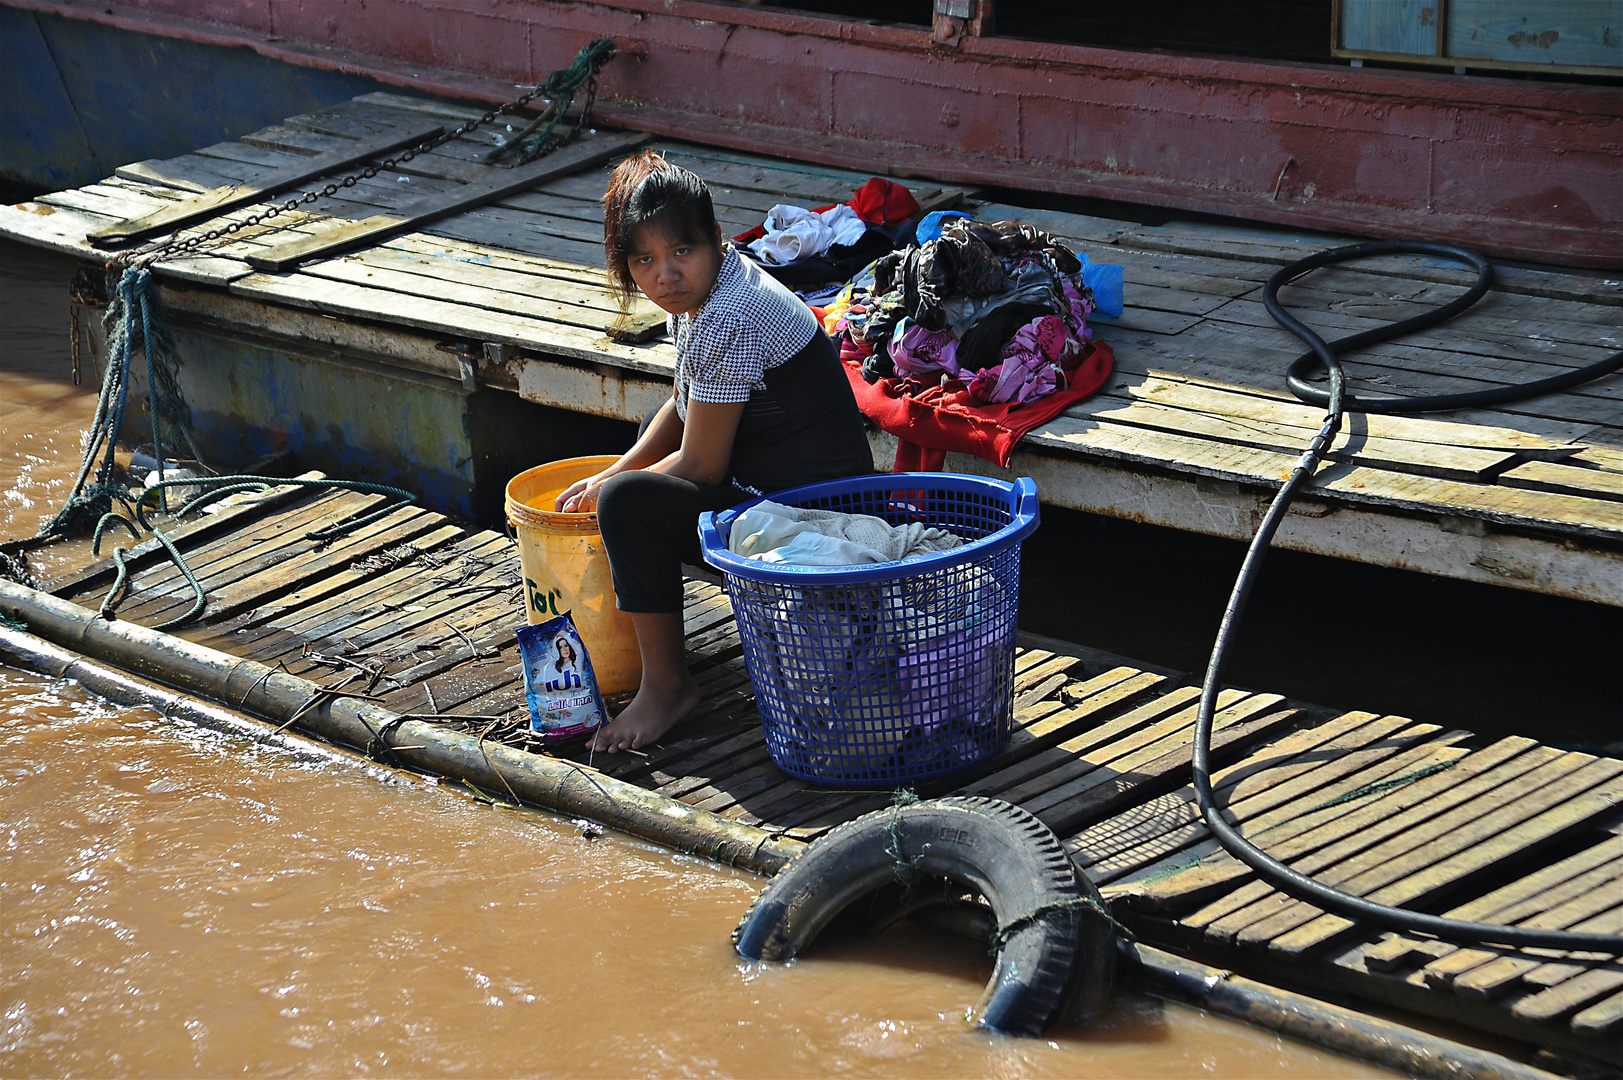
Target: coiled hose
1322, 355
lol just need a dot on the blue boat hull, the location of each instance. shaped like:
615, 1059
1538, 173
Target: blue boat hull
82, 99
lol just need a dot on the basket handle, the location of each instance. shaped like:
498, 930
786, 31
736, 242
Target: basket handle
711, 527
1027, 510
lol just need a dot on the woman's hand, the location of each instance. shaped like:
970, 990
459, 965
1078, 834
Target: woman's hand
581, 496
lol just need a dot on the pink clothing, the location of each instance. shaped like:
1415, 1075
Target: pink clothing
917, 351
1031, 365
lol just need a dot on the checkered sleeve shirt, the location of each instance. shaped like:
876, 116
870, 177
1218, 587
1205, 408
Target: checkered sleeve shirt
748, 325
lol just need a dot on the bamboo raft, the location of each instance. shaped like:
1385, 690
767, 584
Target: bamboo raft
416, 613
1193, 432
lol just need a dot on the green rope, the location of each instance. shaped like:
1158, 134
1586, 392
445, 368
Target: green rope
107, 520
907, 867
199, 599
12, 622
134, 317
116, 595
214, 495
1042, 911
561, 87
1383, 786
165, 403
227, 484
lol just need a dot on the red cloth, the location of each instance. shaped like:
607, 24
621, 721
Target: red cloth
882, 202
878, 202
946, 417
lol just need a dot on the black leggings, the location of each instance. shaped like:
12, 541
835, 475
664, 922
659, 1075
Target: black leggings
650, 527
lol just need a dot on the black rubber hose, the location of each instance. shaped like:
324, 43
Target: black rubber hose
1323, 355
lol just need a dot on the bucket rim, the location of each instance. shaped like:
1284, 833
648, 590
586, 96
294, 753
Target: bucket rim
522, 514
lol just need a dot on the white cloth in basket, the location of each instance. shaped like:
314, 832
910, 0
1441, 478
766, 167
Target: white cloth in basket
775, 533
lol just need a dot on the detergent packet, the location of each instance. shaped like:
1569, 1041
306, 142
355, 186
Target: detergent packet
558, 679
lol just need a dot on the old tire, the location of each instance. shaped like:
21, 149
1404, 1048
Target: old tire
1058, 948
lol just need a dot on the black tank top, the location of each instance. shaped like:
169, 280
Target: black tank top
804, 428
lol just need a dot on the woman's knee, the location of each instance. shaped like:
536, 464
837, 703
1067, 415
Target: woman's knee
619, 498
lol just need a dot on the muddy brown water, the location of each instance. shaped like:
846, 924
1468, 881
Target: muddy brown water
173, 901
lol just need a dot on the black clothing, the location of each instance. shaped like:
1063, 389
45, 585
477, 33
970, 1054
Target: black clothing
805, 429
649, 523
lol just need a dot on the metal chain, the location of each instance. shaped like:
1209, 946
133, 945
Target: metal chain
178, 245
73, 331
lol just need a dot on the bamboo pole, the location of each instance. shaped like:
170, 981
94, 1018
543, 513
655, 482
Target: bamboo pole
1344, 1031
289, 701
24, 650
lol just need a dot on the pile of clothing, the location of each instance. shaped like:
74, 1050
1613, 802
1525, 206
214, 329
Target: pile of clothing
1001, 306
972, 336
810, 248
958, 335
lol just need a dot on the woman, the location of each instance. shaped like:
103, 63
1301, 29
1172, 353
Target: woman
760, 403
564, 662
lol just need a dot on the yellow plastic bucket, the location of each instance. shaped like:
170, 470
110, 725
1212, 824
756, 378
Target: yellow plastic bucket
566, 569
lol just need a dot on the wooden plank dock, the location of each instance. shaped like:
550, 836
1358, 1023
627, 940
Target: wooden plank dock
1192, 433
418, 612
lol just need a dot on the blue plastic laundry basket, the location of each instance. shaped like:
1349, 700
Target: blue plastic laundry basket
885, 674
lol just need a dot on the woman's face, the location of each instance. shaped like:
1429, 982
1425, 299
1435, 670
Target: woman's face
673, 272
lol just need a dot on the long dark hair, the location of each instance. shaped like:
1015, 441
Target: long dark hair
647, 190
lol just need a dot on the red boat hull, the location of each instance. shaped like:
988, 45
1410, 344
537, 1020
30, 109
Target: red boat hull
1515, 168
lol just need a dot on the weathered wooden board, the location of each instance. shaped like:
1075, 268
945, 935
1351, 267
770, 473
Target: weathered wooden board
1532, 819
231, 197
478, 324
1566, 479
1415, 804
414, 215
229, 515
1344, 482
210, 551
1304, 780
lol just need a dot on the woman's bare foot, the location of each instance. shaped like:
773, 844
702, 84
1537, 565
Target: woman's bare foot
668, 694
653, 712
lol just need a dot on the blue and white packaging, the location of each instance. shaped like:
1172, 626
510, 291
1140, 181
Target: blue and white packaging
558, 679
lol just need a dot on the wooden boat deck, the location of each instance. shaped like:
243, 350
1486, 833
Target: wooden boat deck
419, 612
1191, 433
